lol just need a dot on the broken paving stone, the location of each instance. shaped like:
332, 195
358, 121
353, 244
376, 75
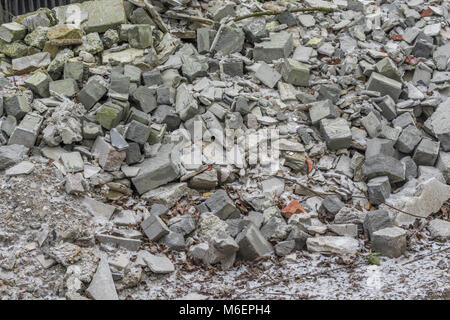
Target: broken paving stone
280, 46
348, 230
39, 83
383, 165
384, 85
283, 248
332, 205
98, 209
220, 204
439, 229
154, 228
252, 244
66, 87
336, 132
31, 63
228, 40
72, 161
426, 152
159, 264
24, 167
12, 31
295, 72
379, 190
108, 157
267, 75
17, 106
389, 242
333, 245
102, 285
92, 92
130, 244
27, 131
321, 110
377, 220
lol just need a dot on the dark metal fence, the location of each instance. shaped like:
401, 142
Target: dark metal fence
12, 8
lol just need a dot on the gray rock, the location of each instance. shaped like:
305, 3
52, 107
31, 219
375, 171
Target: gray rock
295, 72
279, 46
333, 245
220, 204
252, 244
30, 63
443, 164
17, 106
137, 132
145, 99
390, 241
336, 132
66, 87
233, 67
159, 264
205, 38
74, 70
130, 244
108, 157
283, 248
349, 230
186, 105
372, 125
377, 220
102, 285
379, 190
321, 110
228, 40
204, 181
388, 107
384, 85
27, 131
426, 152
255, 30
154, 228
332, 205
174, 241
156, 171
183, 224
410, 167
408, 139
92, 92
39, 84
267, 75
299, 236
383, 165
439, 229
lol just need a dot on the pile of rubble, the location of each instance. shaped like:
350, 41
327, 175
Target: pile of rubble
210, 129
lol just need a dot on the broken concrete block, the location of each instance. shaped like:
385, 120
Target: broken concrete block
228, 40
426, 152
384, 85
66, 87
332, 205
72, 161
137, 132
387, 68
156, 171
252, 244
154, 228
92, 92
205, 38
390, 242
280, 46
443, 164
102, 285
379, 190
186, 105
108, 157
333, 245
220, 204
372, 124
140, 36
13, 31
12, 154
336, 132
109, 116
408, 139
388, 107
439, 229
377, 220
31, 63
295, 72
321, 110
255, 30
27, 131
39, 83
267, 75
383, 165
17, 106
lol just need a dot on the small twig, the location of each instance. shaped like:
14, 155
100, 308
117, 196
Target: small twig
181, 16
274, 13
155, 15
426, 255
193, 174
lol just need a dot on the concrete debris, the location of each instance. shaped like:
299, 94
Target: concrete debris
180, 132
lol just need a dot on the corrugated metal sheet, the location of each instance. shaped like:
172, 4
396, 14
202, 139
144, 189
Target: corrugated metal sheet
12, 8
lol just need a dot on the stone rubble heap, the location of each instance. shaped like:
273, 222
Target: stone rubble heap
359, 96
